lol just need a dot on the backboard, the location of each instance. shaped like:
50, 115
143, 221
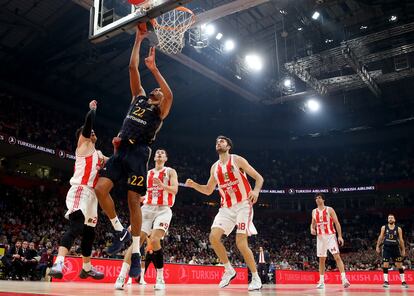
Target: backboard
109, 18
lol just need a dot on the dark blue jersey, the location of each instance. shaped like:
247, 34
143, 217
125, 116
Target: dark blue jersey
142, 122
391, 236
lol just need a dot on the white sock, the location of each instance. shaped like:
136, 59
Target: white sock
343, 276
87, 266
228, 266
60, 259
117, 224
255, 275
160, 273
322, 278
385, 277
402, 277
124, 270
135, 244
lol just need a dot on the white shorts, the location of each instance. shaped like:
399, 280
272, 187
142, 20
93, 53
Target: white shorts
83, 198
240, 215
155, 217
326, 242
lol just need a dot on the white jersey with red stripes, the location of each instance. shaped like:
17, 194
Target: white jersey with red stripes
324, 221
232, 182
155, 195
86, 169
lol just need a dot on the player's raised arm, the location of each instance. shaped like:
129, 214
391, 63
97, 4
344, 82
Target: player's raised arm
134, 77
380, 239
166, 103
205, 189
337, 226
401, 240
85, 135
245, 166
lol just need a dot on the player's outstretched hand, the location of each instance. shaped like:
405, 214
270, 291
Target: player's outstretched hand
150, 60
142, 31
93, 105
341, 241
189, 183
253, 196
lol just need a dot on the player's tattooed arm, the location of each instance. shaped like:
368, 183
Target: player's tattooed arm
380, 239
85, 136
401, 239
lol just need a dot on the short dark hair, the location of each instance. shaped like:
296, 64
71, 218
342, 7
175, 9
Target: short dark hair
391, 214
78, 133
228, 140
165, 150
321, 195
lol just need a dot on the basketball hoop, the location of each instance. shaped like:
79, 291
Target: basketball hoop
170, 28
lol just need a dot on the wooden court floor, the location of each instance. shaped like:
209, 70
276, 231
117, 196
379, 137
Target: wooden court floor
16, 288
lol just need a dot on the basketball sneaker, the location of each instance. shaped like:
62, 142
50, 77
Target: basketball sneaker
135, 269
96, 275
159, 284
320, 286
118, 241
255, 284
142, 281
119, 284
404, 285
386, 285
345, 283
129, 282
56, 270
228, 275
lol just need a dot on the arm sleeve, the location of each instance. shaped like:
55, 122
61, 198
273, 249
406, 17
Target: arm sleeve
87, 126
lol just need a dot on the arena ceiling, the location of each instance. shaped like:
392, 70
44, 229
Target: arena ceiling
356, 58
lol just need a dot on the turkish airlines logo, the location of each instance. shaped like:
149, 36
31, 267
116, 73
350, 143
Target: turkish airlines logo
12, 140
335, 190
61, 154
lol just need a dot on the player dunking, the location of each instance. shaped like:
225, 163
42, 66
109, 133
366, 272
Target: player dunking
162, 186
81, 200
391, 236
129, 162
323, 220
237, 199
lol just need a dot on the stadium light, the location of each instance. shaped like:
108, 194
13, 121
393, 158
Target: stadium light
219, 36
229, 45
313, 105
393, 18
287, 82
210, 29
253, 62
316, 15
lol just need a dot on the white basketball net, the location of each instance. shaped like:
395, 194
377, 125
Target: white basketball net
170, 28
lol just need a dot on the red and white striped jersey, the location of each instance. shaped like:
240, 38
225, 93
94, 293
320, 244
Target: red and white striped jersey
155, 195
232, 183
324, 221
86, 169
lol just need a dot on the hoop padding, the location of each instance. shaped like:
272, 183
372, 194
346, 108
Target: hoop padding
170, 28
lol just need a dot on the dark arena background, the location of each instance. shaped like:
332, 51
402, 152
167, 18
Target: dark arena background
317, 96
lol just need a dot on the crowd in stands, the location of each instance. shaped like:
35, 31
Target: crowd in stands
346, 166
33, 220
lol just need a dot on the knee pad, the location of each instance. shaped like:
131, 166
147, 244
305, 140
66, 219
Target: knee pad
88, 238
76, 222
159, 259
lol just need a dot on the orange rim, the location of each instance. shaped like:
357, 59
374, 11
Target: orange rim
167, 28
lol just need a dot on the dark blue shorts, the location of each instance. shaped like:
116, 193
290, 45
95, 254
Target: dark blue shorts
129, 164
